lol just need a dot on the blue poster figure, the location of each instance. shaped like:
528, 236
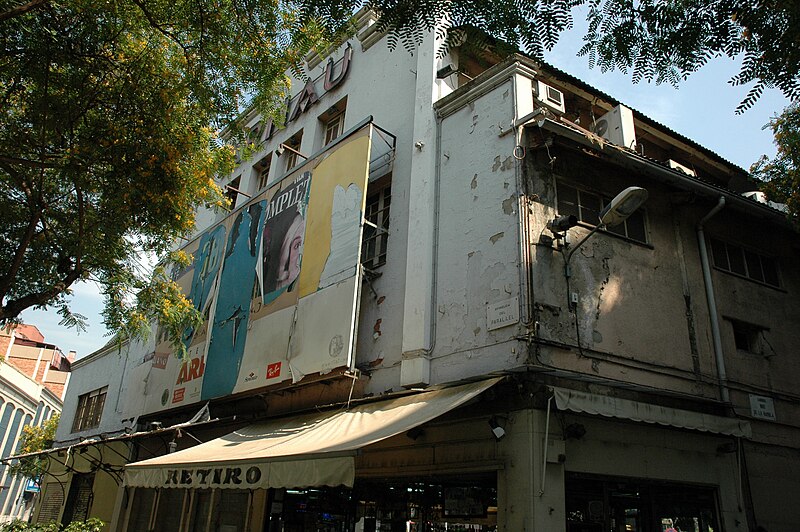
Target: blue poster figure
207, 261
234, 294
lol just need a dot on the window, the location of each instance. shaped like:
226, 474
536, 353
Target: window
334, 127
292, 152
203, 510
90, 408
747, 336
586, 206
332, 122
262, 168
744, 262
232, 191
376, 213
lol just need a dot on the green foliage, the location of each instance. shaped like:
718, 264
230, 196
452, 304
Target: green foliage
108, 137
781, 175
18, 525
32, 440
654, 40
90, 525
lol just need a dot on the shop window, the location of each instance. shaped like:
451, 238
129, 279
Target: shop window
586, 206
262, 169
203, 510
169, 509
291, 153
744, 262
376, 230
90, 408
595, 504
141, 510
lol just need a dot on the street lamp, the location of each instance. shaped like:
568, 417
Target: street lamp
617, 211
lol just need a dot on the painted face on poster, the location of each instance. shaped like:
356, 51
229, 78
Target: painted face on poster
284, 238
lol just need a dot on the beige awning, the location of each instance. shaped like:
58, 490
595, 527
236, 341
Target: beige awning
311, 450
604, 405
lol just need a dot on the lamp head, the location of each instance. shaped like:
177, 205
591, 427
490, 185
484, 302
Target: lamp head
623, 205
279, 150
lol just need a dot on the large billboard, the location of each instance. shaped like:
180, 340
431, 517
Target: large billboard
278, 282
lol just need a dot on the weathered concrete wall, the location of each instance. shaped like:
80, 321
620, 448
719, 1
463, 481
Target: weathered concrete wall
641, 314
111, 367
477, 249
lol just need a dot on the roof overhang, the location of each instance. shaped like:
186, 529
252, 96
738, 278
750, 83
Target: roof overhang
629, 159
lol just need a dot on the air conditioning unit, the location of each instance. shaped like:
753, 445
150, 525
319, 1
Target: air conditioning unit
549, 96
616, 126
675, 165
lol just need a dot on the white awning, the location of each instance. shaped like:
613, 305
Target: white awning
312, 450
604, 405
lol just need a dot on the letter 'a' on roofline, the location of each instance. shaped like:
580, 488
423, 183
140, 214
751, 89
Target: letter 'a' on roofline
312, 450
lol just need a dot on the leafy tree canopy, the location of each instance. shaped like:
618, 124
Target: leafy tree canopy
781, 174
108, 143
654, 40
33, 440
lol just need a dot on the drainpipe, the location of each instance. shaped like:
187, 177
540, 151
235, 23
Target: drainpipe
712, 304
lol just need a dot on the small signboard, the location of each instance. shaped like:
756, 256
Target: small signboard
32, 485
502, 314
762, 407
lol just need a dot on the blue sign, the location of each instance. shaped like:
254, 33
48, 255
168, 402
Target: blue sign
32, 485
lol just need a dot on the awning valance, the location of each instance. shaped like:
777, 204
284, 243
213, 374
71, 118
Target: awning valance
604, 405
312, 450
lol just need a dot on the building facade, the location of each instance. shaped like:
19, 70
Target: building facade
406, 329
33, 380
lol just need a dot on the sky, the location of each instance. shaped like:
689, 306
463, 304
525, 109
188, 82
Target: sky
702, 108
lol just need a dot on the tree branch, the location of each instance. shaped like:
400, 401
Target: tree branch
21, 10
27, 162
13, 307
158, 27
8, 279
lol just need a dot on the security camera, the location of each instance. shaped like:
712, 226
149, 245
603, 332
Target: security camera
559, 224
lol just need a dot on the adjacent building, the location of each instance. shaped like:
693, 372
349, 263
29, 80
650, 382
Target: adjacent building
417, 322
33, 380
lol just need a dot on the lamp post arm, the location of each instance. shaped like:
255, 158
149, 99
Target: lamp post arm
572, 251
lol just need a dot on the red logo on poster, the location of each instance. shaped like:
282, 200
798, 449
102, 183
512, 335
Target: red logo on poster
274, 370
177, 395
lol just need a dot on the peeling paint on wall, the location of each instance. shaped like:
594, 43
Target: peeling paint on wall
509, 205
503, 164
494, 238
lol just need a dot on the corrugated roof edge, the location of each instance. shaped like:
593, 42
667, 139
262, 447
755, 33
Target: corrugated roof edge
675, 176
641, 116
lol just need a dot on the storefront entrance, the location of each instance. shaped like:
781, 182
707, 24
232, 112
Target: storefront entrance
596, 504
389, 505
432, 504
